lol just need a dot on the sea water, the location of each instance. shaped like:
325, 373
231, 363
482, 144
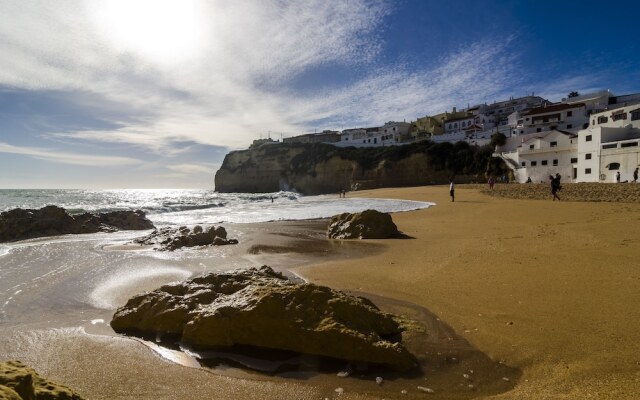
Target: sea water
188, 207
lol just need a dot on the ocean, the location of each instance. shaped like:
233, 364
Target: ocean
189, 207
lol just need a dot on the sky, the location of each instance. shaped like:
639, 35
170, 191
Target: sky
154, 93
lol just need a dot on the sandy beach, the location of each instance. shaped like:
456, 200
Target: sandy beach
541, 293
547, 287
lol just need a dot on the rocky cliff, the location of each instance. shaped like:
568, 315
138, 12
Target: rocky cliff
320, 168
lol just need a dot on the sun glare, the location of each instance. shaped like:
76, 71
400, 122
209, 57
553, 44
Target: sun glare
160, 30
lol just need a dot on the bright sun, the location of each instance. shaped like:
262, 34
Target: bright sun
164, 31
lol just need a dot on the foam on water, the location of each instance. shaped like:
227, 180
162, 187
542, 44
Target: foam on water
189, 207
4, 250
113, 291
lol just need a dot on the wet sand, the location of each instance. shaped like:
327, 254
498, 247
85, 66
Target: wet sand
540, 292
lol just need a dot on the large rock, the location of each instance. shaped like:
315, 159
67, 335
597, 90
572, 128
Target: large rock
175, 238
18, 381
261, 308
369, 224
19, 224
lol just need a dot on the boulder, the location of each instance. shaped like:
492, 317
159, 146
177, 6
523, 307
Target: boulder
260, 308
175, 238
18, 381
369, 224
20, 224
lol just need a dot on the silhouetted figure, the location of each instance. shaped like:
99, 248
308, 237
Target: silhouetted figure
555, 186
635, 176
618, 176
529, 180
452, 190
491, 182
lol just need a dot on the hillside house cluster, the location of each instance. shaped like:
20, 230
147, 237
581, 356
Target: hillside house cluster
585, 138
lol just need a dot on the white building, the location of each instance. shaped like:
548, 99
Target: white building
391, 133
610, 144
566, 117
539, 155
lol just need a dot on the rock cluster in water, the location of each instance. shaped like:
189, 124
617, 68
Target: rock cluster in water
260, 308
368, 224
175, 238
19, 224
20, 382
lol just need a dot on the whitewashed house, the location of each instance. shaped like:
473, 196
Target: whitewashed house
539, 155
610, 144
566, 117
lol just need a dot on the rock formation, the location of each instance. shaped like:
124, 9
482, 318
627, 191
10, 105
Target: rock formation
263, 309
20, 382
368, 224
175, 238
20, 224
318, 168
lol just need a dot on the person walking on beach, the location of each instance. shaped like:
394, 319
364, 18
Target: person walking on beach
635, 176
555, 186
451, 190
492, 182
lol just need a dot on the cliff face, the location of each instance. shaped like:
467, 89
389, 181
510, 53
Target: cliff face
319, 168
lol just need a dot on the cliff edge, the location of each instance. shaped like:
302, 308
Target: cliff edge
317, 168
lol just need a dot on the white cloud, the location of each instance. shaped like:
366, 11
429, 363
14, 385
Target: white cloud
237, 86
67, 158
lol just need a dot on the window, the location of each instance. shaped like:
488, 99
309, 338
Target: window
587, 156
543, 162
569, 126
455, 125
555, 163
524, 164
614, 166
619, 116
630, 144
554, 144
522, 132
534, 163
375, 140
574, 160
588, 138
603, 120
587, 171
593, 122
569, 113
530, 147
635, 115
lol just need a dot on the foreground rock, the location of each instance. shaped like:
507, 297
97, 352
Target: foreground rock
18, 381
20, 224
175, 238
369, 224
263, 309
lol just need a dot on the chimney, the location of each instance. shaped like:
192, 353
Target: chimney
454, 110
